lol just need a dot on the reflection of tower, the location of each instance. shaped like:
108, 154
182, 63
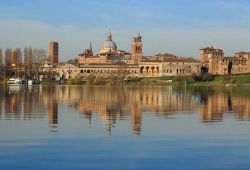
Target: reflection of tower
229, 103
136, 119
53, 113
137, 49
28, 106
1, 102
13, 106
213, 110
88, 115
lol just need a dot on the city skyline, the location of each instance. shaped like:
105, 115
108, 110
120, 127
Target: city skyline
180, 28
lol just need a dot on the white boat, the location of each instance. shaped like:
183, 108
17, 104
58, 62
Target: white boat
30, 82
15, 81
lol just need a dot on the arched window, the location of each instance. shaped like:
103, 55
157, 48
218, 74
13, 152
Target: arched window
141, 69
157, 69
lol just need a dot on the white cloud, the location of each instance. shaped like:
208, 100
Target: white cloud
73, 38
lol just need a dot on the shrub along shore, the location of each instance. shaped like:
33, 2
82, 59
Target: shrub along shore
194, 80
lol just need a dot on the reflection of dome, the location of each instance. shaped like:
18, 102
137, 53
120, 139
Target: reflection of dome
109, 44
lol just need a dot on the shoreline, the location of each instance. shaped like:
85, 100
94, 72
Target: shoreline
188, 81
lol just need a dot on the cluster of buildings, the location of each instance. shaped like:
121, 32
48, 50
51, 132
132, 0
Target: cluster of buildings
114, 62
214, 60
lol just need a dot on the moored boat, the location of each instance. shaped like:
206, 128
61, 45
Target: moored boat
15, 81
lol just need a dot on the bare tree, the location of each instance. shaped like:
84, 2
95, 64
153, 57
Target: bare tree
38, 58
28, 61
17, 56
2, 68
17, 61
8, 61
8, 56
1, 56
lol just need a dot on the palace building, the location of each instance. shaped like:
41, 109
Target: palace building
216, 63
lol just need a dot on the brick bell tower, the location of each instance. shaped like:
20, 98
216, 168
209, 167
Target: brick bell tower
137, 49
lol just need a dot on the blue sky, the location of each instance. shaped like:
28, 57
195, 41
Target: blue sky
180, 27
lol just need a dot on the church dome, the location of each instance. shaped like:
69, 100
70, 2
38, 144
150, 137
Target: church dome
109, 43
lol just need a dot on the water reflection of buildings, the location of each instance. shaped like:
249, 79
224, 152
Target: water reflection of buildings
217, 105
136, 118
22, 102
114, 104
53, 113
50, 100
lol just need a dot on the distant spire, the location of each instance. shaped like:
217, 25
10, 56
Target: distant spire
137, 35
109, 37
90, 46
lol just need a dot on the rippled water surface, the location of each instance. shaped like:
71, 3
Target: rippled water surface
96, 127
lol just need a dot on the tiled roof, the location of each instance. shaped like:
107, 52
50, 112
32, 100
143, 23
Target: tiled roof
92, 57
183, 60
234, 58
210, 48
242, 52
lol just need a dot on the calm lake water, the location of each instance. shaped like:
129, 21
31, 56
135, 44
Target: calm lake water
95, 127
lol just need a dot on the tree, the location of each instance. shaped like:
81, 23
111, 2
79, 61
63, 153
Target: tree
28, 61
17, 54
2, 70
38, 58
1, 57
8, 56
8, 61
39, 55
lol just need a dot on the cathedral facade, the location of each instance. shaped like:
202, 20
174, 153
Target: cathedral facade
110, 54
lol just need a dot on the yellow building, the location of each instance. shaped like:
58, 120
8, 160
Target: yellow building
169, 67
216, 63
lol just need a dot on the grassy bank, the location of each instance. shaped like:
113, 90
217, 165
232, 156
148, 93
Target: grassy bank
175, 81
243, 79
